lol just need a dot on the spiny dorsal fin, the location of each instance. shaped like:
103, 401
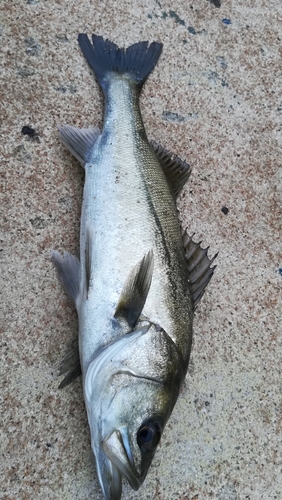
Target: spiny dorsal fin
79, 141
68, 270
198, 265
135, 291
176, 170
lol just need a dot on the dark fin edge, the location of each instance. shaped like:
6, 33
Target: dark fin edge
70, 365
200, 272
103, 56
79, 142
68, 270
177, 171
72, 375
135, 291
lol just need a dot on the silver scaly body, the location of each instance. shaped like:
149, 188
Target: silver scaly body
139, 278
129, 206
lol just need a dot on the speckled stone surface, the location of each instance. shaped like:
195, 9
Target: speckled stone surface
215, 99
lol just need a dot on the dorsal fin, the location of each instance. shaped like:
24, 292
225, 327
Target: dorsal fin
135, 290
68, 270
79, 141
176, 170
199, 268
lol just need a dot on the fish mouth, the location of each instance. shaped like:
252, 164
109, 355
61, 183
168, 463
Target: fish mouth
109, 477
117, 450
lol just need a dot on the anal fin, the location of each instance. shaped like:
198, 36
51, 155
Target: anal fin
80, 142
177, 171
199, 266
135, 291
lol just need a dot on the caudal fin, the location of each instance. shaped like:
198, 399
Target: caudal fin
105, 57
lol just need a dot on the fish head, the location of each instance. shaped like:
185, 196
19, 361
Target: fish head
130, 391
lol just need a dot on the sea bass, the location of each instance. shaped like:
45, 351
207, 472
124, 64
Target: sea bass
139, 277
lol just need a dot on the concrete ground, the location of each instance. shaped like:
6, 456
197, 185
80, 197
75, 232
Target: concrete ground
214, 99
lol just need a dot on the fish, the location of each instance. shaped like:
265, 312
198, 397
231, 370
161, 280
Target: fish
139, 276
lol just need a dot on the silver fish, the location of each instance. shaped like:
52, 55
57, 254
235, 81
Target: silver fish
139, 278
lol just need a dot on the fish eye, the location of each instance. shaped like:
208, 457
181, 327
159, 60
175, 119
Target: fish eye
148, 436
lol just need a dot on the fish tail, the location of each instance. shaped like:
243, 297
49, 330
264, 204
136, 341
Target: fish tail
105, 58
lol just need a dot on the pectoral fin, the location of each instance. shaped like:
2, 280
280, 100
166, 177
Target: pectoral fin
135, 291
198, 265
177, 171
